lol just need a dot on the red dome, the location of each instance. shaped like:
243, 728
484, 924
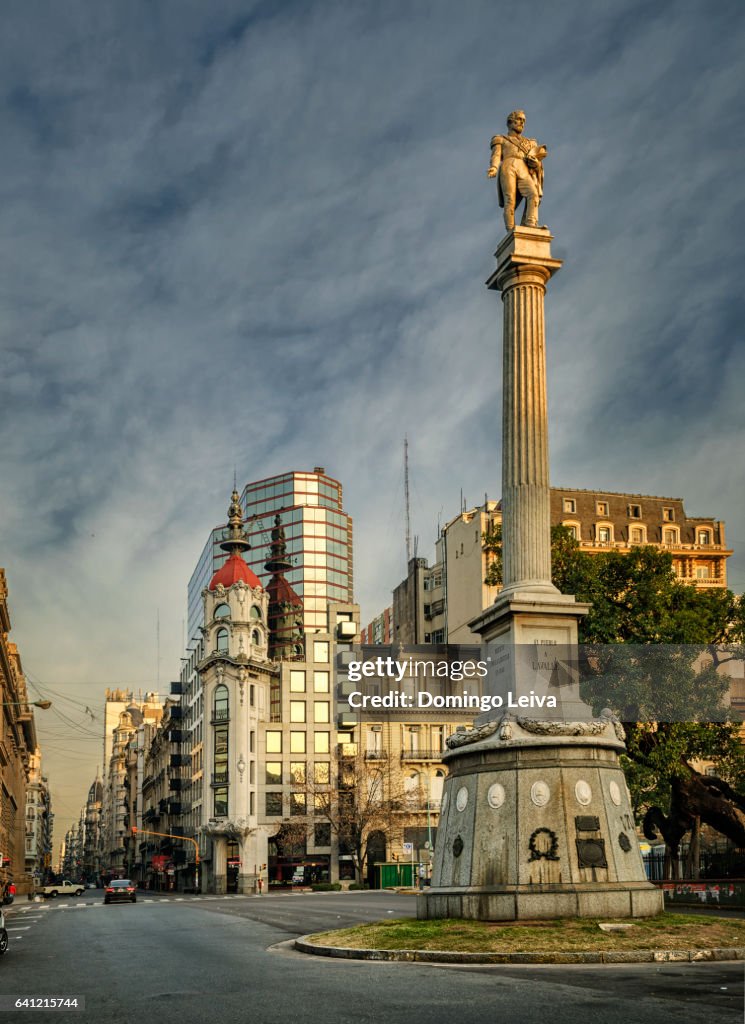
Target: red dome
231, 571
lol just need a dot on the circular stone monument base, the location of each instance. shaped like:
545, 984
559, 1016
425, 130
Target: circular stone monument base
524, 903
536, 823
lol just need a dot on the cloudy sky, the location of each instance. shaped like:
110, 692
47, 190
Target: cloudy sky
256, 235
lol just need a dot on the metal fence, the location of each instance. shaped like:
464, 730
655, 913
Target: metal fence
714, 862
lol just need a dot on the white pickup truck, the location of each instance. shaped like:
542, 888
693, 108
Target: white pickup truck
61, 889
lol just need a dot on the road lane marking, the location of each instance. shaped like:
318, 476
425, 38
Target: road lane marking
18, 927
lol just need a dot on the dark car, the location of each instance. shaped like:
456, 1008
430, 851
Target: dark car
120, 890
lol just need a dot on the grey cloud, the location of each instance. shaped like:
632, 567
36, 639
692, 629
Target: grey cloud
257, 236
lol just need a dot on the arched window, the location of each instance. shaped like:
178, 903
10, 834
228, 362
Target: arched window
573, 527
411, 788
222, 611
221, 641
255, 613
256, 638
704, 537
436, 785
221, 705
604, 533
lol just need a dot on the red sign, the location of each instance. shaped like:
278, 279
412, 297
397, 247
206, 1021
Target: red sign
159, 861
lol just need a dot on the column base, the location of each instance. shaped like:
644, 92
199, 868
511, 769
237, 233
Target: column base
531, 903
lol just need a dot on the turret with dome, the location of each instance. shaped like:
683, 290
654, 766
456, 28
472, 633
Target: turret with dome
237, 677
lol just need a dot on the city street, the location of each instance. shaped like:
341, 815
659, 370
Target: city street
188, 958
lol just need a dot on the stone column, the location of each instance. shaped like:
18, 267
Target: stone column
219, 864
524, 266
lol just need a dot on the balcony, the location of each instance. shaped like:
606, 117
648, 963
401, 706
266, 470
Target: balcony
180, 761
220, 779
421, 755
176, 713
414, 804
177, 688
376, 755
178, 736
220, 716
177, 785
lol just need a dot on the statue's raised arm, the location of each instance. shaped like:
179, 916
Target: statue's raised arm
517, 164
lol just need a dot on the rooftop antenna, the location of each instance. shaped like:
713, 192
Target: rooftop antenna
406, 495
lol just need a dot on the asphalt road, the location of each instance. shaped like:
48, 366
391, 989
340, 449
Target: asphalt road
183, 959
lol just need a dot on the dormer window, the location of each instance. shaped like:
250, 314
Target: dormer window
704, 536
221, 641
222, 611
255, 613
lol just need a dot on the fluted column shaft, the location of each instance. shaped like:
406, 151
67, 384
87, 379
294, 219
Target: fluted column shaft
524, 268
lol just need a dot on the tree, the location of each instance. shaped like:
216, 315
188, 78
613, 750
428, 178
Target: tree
361, 798
663, 682
673, 706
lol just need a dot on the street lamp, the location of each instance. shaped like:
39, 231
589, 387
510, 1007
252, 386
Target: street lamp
43, 704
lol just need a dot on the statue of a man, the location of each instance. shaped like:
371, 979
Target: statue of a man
516, 163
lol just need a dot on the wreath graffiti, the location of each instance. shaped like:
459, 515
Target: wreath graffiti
544, 850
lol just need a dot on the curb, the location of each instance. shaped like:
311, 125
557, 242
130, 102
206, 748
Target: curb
425, 956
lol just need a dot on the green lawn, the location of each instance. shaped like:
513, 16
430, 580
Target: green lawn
668, 931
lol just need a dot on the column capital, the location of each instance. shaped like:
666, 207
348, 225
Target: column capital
521, 250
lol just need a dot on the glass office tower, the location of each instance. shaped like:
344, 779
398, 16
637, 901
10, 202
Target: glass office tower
319, 542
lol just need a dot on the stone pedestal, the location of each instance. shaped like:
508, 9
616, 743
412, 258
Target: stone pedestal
536, 820
536, 823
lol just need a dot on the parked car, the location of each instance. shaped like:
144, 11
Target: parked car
65, 888
120, 890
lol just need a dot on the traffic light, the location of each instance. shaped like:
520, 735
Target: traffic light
134, 829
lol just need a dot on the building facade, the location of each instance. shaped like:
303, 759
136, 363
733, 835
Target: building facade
600, 520
39, 822
118, 801
438, 601
17, 747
